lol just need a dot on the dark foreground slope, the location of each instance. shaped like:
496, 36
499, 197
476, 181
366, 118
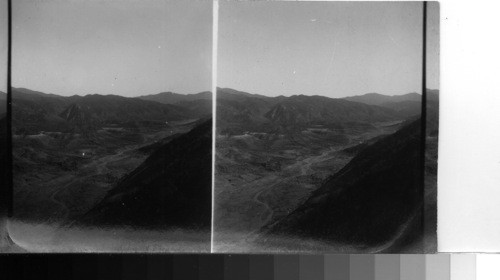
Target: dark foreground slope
431, 168
6, 243
375, 200
171, 189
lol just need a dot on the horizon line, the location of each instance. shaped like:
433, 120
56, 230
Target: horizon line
95, 93
217, 88
290, 95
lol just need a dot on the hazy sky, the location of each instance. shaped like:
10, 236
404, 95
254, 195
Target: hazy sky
3, 45
119, 47
433, 45
334, 49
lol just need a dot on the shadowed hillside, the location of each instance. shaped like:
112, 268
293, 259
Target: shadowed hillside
375, 199
431, 169
5, 241
172, 188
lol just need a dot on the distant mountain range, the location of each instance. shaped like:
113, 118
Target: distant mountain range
379, 99
199, 104
36, 111
319, 109
405, 104
239, 111
172, 188
173, 98
118, 109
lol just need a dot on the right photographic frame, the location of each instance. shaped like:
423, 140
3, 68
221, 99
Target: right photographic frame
326, 133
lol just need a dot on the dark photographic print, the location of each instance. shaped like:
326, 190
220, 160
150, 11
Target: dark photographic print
319, 143
111, 126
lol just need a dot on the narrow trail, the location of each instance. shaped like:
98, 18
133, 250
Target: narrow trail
304, 167
53, 197
270, 212
267, 218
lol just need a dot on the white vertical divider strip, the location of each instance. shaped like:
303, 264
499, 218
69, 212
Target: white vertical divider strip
215, 22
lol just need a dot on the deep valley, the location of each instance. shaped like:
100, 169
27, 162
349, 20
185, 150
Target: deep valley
274, 154
69, 153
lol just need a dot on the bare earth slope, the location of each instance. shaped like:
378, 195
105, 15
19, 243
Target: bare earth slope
373, 200
172, 188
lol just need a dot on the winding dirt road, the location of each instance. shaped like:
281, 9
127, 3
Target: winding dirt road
268, 210
53, 197
303, 167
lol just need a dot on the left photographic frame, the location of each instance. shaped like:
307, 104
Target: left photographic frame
111, 126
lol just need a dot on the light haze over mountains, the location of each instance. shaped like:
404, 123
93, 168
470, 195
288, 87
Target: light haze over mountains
333, 49
127, 48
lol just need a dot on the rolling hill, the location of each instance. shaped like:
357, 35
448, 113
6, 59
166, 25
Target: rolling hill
171, 188
374, 200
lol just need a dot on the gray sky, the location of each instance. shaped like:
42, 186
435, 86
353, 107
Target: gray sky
433, 43
3, 45
334, 49
121, 47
